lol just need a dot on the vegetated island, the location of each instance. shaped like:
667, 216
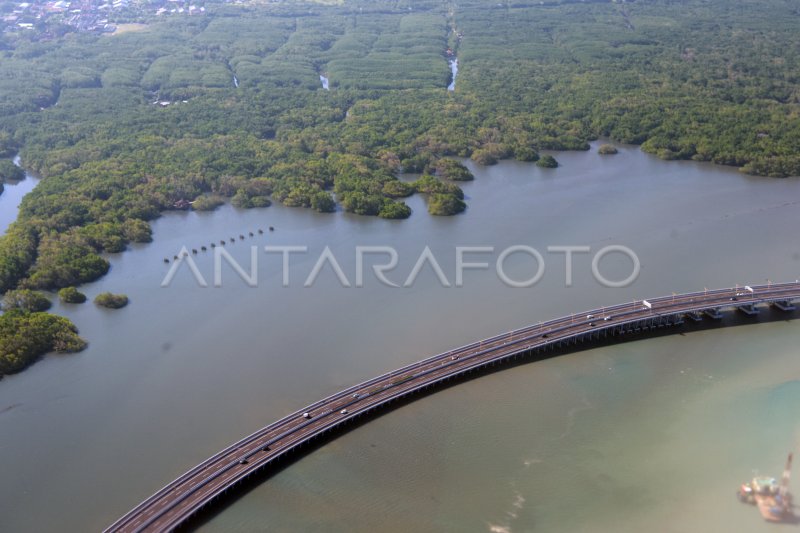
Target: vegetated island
607, 149
547, 161
152, 121
27, 332
71, 295
111, 301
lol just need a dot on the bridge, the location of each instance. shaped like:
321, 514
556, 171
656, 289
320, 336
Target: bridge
186, 496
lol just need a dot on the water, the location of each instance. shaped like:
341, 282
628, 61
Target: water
12, 196
652, 435
324, 82
454, 71
235, 82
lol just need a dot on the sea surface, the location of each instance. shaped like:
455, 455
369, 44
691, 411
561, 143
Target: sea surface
654, 435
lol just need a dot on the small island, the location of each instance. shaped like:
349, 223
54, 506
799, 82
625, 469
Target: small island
547, 161
607, 149
111, 301
71, 295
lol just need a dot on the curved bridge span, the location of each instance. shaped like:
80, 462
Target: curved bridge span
184, 497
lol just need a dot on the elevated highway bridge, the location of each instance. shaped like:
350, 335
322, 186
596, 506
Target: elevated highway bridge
183, 498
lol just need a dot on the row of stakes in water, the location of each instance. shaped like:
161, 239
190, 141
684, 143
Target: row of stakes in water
221, 243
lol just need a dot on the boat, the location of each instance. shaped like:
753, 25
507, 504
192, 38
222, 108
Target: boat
773, 499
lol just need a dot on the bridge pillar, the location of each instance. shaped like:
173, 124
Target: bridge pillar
748, 309
694, 316
784, 305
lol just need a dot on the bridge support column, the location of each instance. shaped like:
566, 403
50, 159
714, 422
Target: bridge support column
748, 309
694, 316
784, 305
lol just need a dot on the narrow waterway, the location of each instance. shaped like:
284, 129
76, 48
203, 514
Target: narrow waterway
12, 196
235, 81
324, 82
652, 435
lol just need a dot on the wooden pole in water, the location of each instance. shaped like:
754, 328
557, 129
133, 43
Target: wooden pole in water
787, 474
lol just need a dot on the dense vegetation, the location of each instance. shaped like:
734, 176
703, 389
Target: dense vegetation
207, 202
71, 295
26, 300
9, 171
547, 161
111, 301
679, 78
152, 120
25, 336
445, 204
451, 169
